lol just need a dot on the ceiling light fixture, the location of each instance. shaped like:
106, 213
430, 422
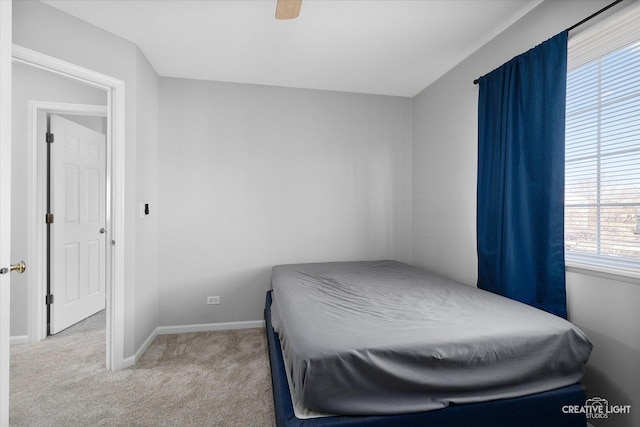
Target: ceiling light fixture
288, 9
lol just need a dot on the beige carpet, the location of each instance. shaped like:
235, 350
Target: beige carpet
197, 379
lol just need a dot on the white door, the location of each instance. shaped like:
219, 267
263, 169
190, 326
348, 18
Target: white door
77, 245
5, 203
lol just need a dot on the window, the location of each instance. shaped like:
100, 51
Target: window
602, 177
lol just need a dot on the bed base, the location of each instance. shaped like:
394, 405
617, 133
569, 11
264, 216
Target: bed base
541, 409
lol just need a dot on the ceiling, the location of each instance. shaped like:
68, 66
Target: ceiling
387, 47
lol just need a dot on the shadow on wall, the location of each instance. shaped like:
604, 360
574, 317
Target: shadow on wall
622, 376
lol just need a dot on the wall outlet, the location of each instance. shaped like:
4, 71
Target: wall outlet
213, 300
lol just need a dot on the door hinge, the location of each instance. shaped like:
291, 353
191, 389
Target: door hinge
48, 299
49, 218
49, 137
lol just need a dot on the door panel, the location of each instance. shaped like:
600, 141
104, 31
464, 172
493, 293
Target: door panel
5, 203
78, 203
72, 270
93, 258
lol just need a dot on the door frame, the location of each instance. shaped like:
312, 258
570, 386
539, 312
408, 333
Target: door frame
37, 208
115, 178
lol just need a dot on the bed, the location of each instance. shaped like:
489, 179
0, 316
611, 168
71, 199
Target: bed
376, 343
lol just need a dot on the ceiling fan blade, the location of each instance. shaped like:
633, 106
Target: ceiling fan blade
288, 9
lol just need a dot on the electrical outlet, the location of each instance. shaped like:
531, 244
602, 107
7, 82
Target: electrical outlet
213, 300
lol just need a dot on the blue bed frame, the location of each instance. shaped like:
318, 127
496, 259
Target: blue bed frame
542, 409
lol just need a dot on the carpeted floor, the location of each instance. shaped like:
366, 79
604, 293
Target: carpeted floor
196, 379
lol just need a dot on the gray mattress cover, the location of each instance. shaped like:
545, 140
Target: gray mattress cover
383, 337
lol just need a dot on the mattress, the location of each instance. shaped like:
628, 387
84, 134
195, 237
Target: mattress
383, 337
533, 410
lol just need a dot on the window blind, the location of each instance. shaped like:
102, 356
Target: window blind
602, 169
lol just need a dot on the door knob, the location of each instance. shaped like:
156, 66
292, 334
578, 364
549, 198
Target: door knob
103, 230
20, 267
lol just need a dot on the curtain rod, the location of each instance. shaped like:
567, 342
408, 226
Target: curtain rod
587, 19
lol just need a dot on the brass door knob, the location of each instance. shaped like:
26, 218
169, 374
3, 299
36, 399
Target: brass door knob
20, 267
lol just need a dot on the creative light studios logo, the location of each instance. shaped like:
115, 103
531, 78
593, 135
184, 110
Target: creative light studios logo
597, 407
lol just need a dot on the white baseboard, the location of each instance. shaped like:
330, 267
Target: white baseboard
19, 339
206, 327
130, 361
181, 329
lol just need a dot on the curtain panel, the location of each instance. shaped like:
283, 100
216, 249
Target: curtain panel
520, 193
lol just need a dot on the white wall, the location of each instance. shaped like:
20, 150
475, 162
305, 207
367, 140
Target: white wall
47, 30
96, 123
608, 311
147, 227
444, 206
253, 176
31, 84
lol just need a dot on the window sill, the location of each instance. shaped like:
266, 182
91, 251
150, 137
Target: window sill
612, 273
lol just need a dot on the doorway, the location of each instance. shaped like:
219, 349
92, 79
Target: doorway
43, 235
115, 211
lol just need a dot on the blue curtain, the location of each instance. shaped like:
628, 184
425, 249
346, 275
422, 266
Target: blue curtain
520, 218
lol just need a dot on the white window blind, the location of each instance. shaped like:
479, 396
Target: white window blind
602, 170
